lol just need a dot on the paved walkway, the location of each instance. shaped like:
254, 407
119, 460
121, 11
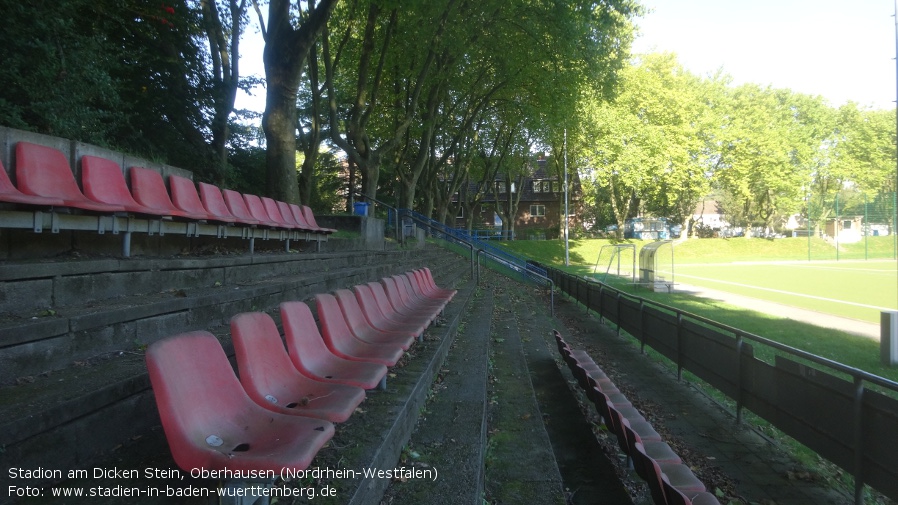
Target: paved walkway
848, 325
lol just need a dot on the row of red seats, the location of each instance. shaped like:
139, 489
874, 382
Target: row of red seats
670, 481
44, 178
280, 411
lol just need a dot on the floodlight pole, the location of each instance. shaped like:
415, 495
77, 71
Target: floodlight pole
567, 258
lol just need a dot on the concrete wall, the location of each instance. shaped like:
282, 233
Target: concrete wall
74, 150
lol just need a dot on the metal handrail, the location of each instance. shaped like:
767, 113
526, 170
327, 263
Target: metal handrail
383, 204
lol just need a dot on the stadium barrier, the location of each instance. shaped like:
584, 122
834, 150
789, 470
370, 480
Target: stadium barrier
846, 415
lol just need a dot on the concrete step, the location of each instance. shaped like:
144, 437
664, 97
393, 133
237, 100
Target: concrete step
354, 468
451, 433
74, 416
520, 462
190, 295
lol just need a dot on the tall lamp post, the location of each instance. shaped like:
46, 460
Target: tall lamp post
567, 258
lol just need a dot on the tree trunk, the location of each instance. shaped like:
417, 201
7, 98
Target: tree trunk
286, 50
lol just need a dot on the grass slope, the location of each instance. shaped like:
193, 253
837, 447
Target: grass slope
858, 352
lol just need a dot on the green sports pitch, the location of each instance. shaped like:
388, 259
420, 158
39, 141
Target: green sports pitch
853, 289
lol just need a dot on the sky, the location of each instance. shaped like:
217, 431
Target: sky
839, 49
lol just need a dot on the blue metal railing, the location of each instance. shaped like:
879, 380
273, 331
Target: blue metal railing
528, 270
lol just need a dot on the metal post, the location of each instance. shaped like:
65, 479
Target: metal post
679, 346
567, 260
739, 342
858, 440
642, 326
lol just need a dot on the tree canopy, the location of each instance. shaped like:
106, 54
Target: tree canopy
423, 101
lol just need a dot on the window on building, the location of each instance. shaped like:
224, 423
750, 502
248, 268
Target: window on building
542, 186
500, 187
537, 210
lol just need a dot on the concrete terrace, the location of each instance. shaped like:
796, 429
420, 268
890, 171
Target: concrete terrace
482, 411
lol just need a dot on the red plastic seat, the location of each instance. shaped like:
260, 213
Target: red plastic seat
209, 420
413, 287
394, 313
312, 358
104, 182
287, 214
213, 202
339, 338
676, 497
271, 380
44, 171
419, 282
271, 207
398, 302
377, 318
310, 219
300, 219
413, 299
9, 193
257, 210
428, 276
678, 475
237, 206
365, 331
658, 450
185, 197
148, 189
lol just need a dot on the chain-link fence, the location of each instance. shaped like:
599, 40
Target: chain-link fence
849, 226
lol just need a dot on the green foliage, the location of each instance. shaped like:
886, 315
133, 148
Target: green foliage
127, 74
670, 139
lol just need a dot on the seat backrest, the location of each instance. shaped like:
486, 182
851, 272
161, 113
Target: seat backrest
148, 189
9, 193
257, 209
213, 201
333, 325
414, 285
300, 218
44, 171
263, 365
309, 215
184, 195
404, 290
393, 294
352, 312
196, 391
649, 469
104, 181
287, 214
365, 298
380, 296
237, 205
676, 497
271, 207
304, 343
6, 185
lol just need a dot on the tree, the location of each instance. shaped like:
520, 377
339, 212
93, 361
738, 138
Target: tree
288, 40
223, 34
769, 151
125, 74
